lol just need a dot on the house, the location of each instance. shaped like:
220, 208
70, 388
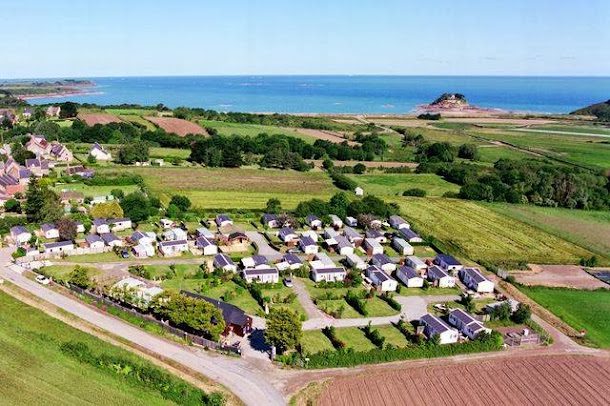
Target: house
417, 263
435, 326
84, 173
236, 320
383, 262
467, 324
58, 247
410, 277
313, 222
142, 294
38, 145
311, 234
270, 220
398, 222
143, 237
10, 185
222, 261
37, 166
49, 231
474, 280
254, 262
448, 263
174, 234
351, 221
68, 196
330, 233
289, 262
381, 280
143, 250
173, 248
372, 247
204, 232
120, 224
112, 240
321, 260
20, 235
60, 153
402, 247
359, 191
100, 226
439, 277
335, 221
237, 237
374, 224
100, 153
410, 235
308, 246
261, 275
328, 274
355, 262
206, 246
27, 113
377, 235
94, 241
222, 220
53, 111
343, 246
288, 236
166, 223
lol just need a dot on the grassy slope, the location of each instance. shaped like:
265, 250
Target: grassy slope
394, 184
32, 368
480, 233
588, 310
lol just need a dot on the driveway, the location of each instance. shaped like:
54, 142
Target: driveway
263, 246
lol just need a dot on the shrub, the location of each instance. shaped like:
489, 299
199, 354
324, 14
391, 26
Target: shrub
391, 301
331, 333
356, 302
414, 192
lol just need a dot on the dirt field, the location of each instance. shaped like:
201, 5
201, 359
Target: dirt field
92, 119
558, 380
331, 136
177, 126
567, 276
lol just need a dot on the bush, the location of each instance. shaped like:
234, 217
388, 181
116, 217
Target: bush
414, 192
342, 182
391, 301
522, 314
331, 333
356, 302
374, 335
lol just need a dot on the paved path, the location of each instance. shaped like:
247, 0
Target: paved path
248, 380
263, 246
309, 306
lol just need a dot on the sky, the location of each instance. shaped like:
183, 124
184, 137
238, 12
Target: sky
84, 38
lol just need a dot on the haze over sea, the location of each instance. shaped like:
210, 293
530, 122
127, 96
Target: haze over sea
346, 94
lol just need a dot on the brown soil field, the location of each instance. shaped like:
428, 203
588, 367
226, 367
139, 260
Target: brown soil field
550, 380
92, 119
568, 276
331, 136
177, 125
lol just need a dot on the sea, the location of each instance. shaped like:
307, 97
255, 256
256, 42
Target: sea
345, 94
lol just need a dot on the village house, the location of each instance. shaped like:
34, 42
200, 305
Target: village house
174, 234
313, 222
261, 275
439, 277
27, 113
377, 235
330, 233
410, 235
359, 191
10, 185
58, 247
448, 263
372, 247
166, 223
85, 173
173, 248
435, 326
20, 235
236, 320
222, 261
206, 246
288, 236
94, 241
270, 220
343, 246
308, 246
38, 145
143, 250
112, 240
143, 237
204, 232
381, 280
222, 220
60, 153
355, 262
100, 226
417, 263
351, 221
466, 324
254, 262
99, 153
289, 262
335, 221
49, 231
398, 223
53, 111
333, 274
402, 247
120, 224
410, 277
474, 280
38, 167
383, 262
12, 167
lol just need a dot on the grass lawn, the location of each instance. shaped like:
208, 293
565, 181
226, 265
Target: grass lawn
315, 341
61, 272
581, 309
35, 371
393, 184
478, 233
252, 130
392, 335
355, 338
277, 296
331, 306
165, 153
431, 291
183, 271
93, 191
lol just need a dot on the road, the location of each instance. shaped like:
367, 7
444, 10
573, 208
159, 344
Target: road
531, 130
262, 246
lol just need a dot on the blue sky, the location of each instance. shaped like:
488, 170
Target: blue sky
187, 37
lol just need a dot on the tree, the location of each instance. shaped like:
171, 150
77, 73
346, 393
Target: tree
51, 209
283, 329
12, 206
181, 202
522, 314
501, 312
80, 277
469, 151
232, 158
35, 200
91, 159
468, 303
133, 152
106, 210
136, 206
328, 164
20, 154
117, 193
359, 168
68, 110
66, 228
274, 206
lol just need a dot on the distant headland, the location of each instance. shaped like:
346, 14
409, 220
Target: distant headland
40, 89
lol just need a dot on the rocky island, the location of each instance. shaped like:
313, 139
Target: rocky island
456, 104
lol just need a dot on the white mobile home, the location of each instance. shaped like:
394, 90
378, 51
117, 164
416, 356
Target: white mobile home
402, 247
474, 279
410, 277
435, 326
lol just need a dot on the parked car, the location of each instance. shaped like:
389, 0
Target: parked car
124, 254
43, 280
288, 282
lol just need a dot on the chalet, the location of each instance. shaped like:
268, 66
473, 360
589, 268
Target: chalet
100, 226
359, 191
120, 224
39, 167
10, 185
439, 277
166, 223
288, 236
402, 247
435, 326
142, 294
289, 262
204, 232
410, 277
335, 221
254, 262
328, 274
351, 221
322, 261
111, 240
410, 235
237, 237
53, 111
68, 196
143, 250
313, 222
38, 145
222, 261
60, 153
372, 247
100, 153
354, 261
261, 275
448, 263
174, 234
377, 235
173, 248
467, 324
330, 233
308, 246
417, 263
381, 280
20, 235
343, 246
49, 231
58, 247
236, 320
206, 246
474, 280
94, 241
222, 220
398, 223
143, 237
383, 262
270, 220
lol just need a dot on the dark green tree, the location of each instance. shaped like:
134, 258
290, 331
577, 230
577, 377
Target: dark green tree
136, 206
283, 329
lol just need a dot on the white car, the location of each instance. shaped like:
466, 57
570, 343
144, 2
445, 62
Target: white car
43, 280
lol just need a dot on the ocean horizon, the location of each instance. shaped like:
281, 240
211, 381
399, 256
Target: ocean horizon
343, 94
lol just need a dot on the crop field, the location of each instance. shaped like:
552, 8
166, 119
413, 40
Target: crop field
480, 233
393, 184
252, 130
582, 309
584, 129
177, 125
92, 119
138, 120
33, 370
514, 381
243, 188
590, 229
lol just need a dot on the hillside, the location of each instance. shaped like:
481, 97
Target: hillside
599, 110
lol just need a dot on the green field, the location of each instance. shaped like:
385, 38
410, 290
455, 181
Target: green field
252, 130
33, 370
589, 229
584, 129
393, 184
476, 232
165, 153
92, 191
581, 309
392, 335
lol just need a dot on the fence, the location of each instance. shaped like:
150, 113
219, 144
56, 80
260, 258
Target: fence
195, 339
76, 251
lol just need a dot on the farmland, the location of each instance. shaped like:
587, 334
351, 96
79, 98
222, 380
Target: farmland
479, 233
177, 125
252, 130
581, 309
536, 380
98, 118
395, 184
